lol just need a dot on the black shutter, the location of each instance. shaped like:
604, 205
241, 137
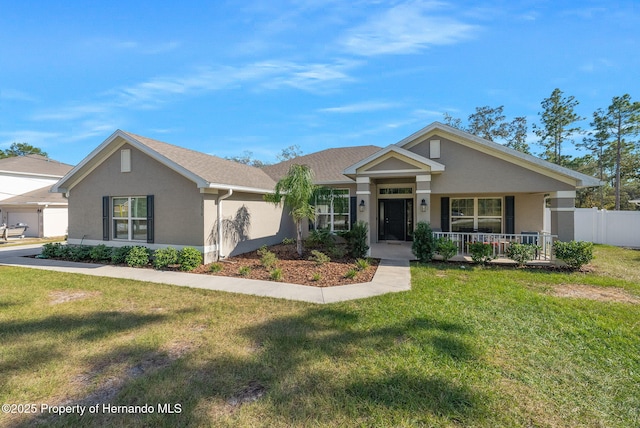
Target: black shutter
150, 234
509, 214
353, 208
105, 218
444, 214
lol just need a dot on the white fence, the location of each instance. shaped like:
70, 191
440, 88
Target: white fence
620, 228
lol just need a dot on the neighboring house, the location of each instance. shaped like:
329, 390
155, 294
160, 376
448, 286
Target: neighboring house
134, 189
25, 198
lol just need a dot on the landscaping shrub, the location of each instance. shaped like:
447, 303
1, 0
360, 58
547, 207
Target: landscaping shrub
320, 239
119, 254
351, 273
189, 259
446, 248
215, 267
574, 253
78, 253
138, 256
357, 240
316, 276
319, 257
100, 253
338, 252
51, 250
244, 271
423, 245
164, 257
288, 241
267, 258
276, 274
362, 264
521, 253
480, 252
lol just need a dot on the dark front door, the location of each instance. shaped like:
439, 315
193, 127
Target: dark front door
395, 219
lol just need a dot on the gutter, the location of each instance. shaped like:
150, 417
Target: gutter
220, 199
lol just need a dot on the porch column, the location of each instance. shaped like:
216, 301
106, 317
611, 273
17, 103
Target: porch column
363, 198
563, 206
423, 193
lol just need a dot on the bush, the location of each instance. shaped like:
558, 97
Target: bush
79, 253
446, 248
164, 257
480, 252
100, 253
288, 241
215, 267
320, 239
189, 259
357, 240
244, 271
521, 253
316, 276
338, 252
267, 258
119, 255
138, 256
351, 273
423, 245
574, 253
53, 250
362, 264
276, 274
319, 257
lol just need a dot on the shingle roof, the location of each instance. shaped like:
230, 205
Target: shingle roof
39, 196
210, 168
327, 165
34, 164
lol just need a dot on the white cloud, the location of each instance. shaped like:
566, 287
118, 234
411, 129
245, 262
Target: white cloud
360, 107
35, 138
404, 29
15, 95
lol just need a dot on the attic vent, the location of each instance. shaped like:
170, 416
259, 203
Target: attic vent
125, 160
434, 149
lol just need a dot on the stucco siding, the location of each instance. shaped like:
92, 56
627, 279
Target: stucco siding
178, 215
469, 170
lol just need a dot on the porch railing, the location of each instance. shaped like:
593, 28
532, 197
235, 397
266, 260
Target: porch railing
501, 241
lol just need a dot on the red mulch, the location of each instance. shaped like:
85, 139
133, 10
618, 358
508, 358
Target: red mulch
294, 269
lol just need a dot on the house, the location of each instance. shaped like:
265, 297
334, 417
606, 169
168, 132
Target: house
135, 189
25, 198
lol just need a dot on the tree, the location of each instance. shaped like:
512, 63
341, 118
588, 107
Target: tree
517, 138
556, 128
488, 123
618, 126
247, 159
296, 190
290, 152
454, 122
21, 149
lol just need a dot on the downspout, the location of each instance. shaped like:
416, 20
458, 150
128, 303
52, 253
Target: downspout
220, 199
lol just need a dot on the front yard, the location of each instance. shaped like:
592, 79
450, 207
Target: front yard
467, 346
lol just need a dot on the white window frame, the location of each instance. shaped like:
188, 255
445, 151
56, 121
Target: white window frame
130, 219
476, 214
330, 210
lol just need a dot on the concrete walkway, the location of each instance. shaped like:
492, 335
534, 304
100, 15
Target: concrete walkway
391, 276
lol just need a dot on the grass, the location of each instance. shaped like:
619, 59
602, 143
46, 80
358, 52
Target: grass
477, 346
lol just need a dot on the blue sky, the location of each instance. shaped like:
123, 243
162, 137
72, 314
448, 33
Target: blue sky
226, 77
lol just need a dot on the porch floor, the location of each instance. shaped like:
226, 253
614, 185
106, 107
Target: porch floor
392, 250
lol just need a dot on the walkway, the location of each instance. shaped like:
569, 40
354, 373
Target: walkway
393, 275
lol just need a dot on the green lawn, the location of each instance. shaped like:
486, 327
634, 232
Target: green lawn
476, 346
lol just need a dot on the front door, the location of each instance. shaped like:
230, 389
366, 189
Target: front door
395, 219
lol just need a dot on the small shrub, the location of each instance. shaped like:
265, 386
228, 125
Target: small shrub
78, 253
320, 239
319, 257
423, 245
119, 255
356, 238
574, 253
50, 250
480, 252
164, 257
189, 258
337, 252
100, 253
215, 267
521, 253
288, 241
316, 276
362, 264
276, 274
267, 258
138, 256
244, 271
351, 273
446, 248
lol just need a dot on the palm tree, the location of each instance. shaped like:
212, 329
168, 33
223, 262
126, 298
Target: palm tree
296, 190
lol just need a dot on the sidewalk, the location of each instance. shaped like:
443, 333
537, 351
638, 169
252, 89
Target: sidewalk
391, 276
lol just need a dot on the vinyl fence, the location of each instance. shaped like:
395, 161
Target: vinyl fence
620, 228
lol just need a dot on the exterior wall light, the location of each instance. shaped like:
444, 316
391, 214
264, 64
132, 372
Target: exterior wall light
423, 206
361, 206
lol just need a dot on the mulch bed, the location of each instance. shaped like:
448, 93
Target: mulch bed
295, 270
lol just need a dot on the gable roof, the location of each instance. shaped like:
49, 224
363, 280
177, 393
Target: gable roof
497, 150
34, 165
328, 165
205, 170
433, 166
40, 196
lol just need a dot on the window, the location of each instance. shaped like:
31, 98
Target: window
130, 218
476, 214
434, 149
333, 210
396, 191
125, 160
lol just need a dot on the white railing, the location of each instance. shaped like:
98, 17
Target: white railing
501, 241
